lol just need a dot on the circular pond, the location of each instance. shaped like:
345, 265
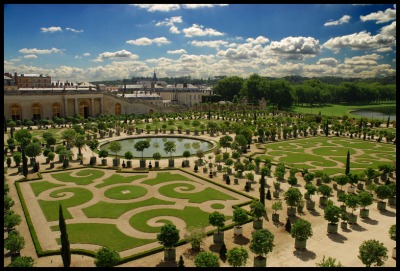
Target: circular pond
157, 145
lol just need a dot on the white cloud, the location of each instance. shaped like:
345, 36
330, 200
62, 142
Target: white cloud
40, 52
86, 54
196, 6
30, 56
170, 21
180, 51
384, 49
258, 40
146, 41
51, 29
73, 30
198, 30
380, 16
174, 30
295, 47
78, 57
363, 60
364, 40
158, 7
344, 19
115, 55
213, 43
330, 61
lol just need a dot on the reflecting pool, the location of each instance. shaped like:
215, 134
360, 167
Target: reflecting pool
157, 145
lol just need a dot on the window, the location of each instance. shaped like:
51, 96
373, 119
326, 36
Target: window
36, 111
118, 109
15, 112
56, 110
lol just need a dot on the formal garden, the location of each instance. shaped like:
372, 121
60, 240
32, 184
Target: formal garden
127, 205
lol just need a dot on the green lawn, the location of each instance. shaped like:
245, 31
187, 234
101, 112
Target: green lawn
84, 233
117, 178
337, 110
86, 176
330, 153
39, 187
125, 192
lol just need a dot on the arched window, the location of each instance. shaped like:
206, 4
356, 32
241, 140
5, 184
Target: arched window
56, 110
36, 111
117, 109
15, 112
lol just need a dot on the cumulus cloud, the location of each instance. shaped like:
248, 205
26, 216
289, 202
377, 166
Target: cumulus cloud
51, 29
123, 54
330, 61
363, 60
86, 54
73, 30
258, 40
213, 43
158, 7
380, 16
39, 51
174, 30
146, 41
343, 20
170, 21
30, 56
295, 47
364, 40
180, 51
198, 30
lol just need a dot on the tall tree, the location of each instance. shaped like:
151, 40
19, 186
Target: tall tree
228, 87
347, 163
65, 248
24, 138
262, 188
254, 88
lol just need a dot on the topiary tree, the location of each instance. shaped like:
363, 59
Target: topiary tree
93, 144
261, 244
170, 147
239, 217
352, 202
141, 145
206, 259
341, 180
382, 192
115, 147
195, 235
106, 257
14, 242
168, 237
237, 257
301, 231
181, 262
11, 219
332, 214
292, 197
23, 261
217, 219
372, 252
257, 209
288, 225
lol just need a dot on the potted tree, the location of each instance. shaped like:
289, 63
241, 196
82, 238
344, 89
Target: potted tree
332, 214
50, 157
326, 191
301, 231
341, 180
217, 219
311, 189
239, 217
195, 235
382, 192
140, 146
93, 144
392, 235
168, 237
128, 156
170, 147
156, 157
372, 252
352, 202
115, 147
292, 198
276, 206
186, 154
345, 219
365, 199
353, 180
261, 244
206, 259
237, 257
200, 155
277, 186
257, 210
103, 154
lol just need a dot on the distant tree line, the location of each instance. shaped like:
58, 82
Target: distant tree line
282, 93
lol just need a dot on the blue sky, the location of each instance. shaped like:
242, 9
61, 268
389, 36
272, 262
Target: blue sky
91, 42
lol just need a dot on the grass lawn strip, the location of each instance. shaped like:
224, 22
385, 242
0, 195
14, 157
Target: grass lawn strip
86, 176
88, 233
163, 177
40, 186
124, 192
117, 178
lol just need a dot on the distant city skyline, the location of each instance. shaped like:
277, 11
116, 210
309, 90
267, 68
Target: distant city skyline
92, 42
